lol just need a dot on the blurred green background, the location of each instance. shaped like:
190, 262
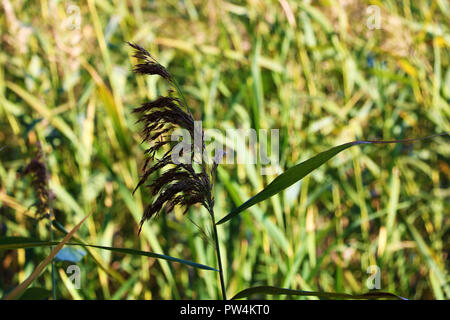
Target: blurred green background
316, 70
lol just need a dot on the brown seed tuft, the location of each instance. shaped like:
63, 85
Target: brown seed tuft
38, 170
178, 184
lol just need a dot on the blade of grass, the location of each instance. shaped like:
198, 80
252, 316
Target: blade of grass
21, 242
427, 254
40, 108
246, 293
299, 171
125, 287
35, 293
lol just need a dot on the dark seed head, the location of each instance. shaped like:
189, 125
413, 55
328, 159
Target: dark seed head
149, 65
38, 170
178, 184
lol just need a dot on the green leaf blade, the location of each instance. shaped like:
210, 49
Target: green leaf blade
8, 243
246, 293
299, 171
35, 293
289, 177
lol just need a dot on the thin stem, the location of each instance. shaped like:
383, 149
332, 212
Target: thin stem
219, 260
180, 93
53, 261
50, 218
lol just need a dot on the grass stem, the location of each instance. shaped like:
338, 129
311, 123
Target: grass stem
219, 260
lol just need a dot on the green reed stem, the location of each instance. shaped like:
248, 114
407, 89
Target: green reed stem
52, 238
219, 260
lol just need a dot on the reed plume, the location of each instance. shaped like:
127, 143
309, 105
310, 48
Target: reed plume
37, 169
179, 183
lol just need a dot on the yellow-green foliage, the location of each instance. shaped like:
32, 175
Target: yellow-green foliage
315, 71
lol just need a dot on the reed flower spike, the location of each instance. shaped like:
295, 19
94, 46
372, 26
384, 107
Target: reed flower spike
38, 170
177, 183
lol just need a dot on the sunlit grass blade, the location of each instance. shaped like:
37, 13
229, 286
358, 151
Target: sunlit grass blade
288, 178
298, 172
125, 287
43, 111
246, 293
21, 242
428, 255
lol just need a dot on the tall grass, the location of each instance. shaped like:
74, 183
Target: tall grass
314, 71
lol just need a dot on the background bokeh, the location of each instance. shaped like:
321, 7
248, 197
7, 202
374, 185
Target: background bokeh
316, 70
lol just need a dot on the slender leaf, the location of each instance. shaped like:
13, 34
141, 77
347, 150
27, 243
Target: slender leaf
246, 293
21, 242
299, 171
288, 178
